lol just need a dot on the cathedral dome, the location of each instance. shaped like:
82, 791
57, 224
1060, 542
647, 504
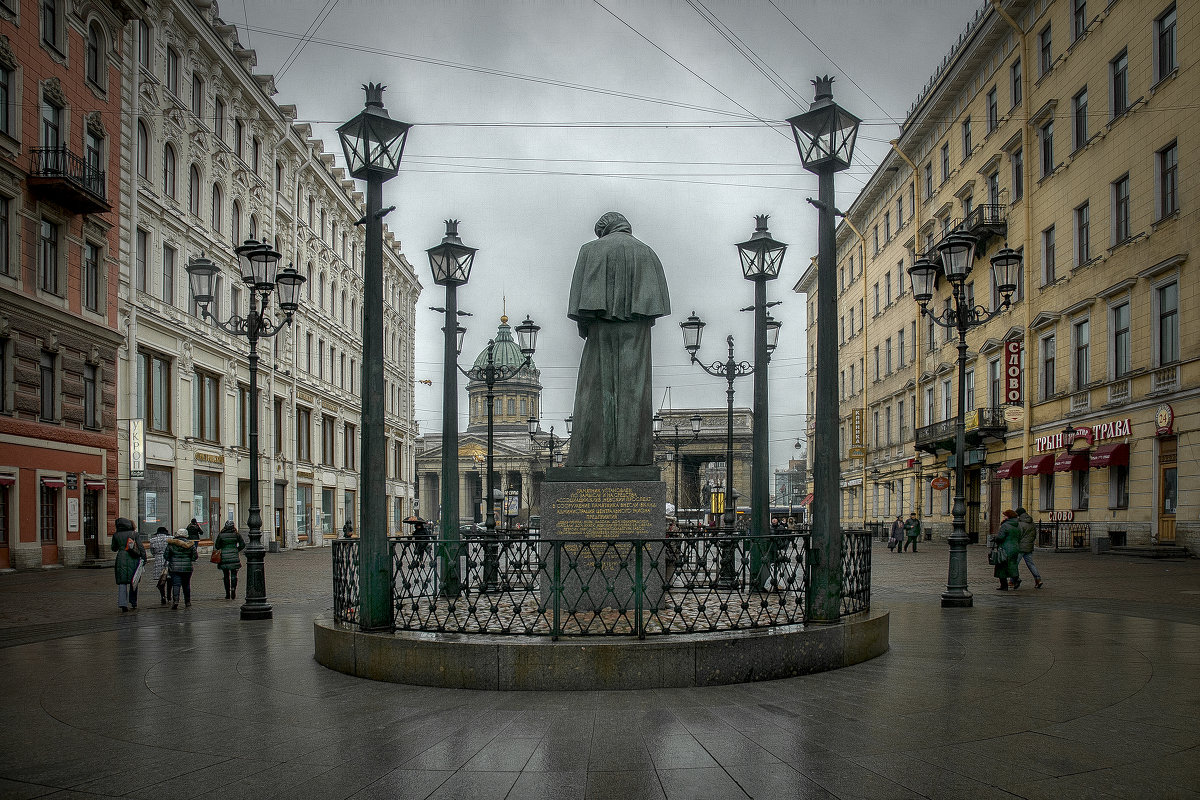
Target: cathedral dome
507, 352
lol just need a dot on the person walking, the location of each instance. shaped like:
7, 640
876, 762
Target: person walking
181, 552
158, 550
912, 531
897, 534
1005, 546
194, 531
229, 543
130, 555
1028, 537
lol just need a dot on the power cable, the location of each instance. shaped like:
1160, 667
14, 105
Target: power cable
313, 27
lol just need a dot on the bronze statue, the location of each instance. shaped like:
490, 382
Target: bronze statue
617, 292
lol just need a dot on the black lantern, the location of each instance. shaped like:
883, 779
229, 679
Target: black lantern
773, 326
696, 423
825, 134
287, 284
451, 260
202, 274
527, 333
569, 422
761, 255
533, 425
1006, 269
958, 253
657, 422
373, 142
258, 262
693, 329
923, 277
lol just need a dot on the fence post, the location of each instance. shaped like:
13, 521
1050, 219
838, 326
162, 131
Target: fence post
639, 588
556, 589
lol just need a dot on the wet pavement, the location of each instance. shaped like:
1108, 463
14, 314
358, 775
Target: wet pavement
1088, 688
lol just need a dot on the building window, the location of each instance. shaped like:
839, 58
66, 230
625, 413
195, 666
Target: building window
51, 125
197, 95
1120, 340
52, 22
206, 407
995, 384
928, 180
48, 271
1118, 487
143, 150
154, 391
1046, 140
168, 274
1045, 51
1083, 238
277, 419
219, 119
172, 71
1165, 59
1046, 492
1080, 489
194, 190
1168, 180
90, 288
327, 440
48, 515
4, 512
966, 139
255, 154
1079, 106
93, 57
1118, 70
945, 161
993, 110
1014, 73
239, 134
350, 447
1167, 301
1120, 223
243, 415
1079, 19
169, 171
969, 389
141, 253
1049, 273
1081, 333
1046, 387
947, 400
90, 388
143, 43
235, 223
47, 386
1018, 174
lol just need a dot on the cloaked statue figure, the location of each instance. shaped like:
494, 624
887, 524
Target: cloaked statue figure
617, 292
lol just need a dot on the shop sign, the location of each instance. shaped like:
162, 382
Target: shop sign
1114, 429
856, 428
72, 481
1012, 371
210, 458
858, 452
1062, 516
512, 504
137, 449
940, 483
1014, 414
971, 420
72, 514
1164, 420
1117, 429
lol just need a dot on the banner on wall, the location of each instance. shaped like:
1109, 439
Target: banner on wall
1012, 372
137, 449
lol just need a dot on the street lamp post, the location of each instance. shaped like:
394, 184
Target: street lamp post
676, 440
551, 442
373, 144
825, 136
957, 253
451, 263
258, 262
490, 374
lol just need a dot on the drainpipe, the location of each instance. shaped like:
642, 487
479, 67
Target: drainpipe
862, 257
895, 143
295, 393
131, 353
1027, 179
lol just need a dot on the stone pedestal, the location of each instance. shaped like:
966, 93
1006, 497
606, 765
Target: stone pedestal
598, 565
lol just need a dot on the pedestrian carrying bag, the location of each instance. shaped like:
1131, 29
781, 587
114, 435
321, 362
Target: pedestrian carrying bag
137, 575
215, 557
996, 556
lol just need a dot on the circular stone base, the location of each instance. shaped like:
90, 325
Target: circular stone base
479, 661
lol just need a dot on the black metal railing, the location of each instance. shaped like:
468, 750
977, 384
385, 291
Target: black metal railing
601, 587
59, 162
1065, 535
990, 422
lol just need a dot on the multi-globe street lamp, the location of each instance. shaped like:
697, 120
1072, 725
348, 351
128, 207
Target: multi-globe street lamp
825, 136
675, 441
373, 144
551, 442
957, 252
259, 264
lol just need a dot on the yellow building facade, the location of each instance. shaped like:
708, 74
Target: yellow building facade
1060, 128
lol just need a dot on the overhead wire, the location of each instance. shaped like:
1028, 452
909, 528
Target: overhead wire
313, 27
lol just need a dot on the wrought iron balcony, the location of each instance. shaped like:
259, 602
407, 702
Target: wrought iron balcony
983, 223
67, 179
981, 425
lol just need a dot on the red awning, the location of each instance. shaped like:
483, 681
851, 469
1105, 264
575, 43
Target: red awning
807, 500
1009, 469
95, 486
1039, 465
1071, 462
53, 483
1111, 455
7, 480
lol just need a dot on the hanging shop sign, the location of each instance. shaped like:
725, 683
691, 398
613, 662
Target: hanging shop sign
856, 427
137, 449
857, 452
1012, 371
940, 483
1164, 420
1014, 414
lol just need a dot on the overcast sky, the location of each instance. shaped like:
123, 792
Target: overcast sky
533, 118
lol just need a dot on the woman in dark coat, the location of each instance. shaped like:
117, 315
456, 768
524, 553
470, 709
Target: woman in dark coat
1007, 546
181, 552
230, 545
130, 554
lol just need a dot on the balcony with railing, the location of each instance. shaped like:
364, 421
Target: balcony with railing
981, 425
69, 180
984, 222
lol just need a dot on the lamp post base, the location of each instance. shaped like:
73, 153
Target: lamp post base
957, 600
256, 612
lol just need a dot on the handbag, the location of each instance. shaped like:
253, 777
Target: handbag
996, 556
137, 575
215, 557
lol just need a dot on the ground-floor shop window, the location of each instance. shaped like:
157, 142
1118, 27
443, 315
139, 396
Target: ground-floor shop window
327, 512
1046, 492
1118, 487
154, 502
1080, 489
304, 512
206, 502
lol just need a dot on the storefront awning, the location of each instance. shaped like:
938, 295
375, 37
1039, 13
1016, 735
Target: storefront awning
95, 486
53, 483
1039, 465
1009, 469
1111, 455
7, 480
1071, 462
807, 500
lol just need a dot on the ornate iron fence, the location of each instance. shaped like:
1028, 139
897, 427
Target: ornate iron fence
601, 587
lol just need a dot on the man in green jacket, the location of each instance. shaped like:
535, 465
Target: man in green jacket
912, 531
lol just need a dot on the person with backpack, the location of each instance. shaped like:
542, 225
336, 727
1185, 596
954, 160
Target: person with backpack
130, 556
181, 552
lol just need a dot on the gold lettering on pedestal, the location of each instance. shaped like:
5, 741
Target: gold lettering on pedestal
604, 511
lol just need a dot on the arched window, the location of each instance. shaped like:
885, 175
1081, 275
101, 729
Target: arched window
321, 292
308, 282
235, 227
216, 207
343, 306
322, 224
95, 54
354, 315
312, 203
169, 170
143, 150
254, 227
194, 190
354, 257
